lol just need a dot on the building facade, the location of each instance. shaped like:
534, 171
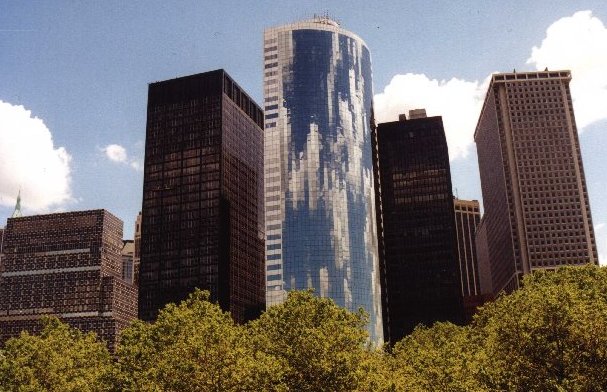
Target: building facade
319, 200
66, 265
128, 265
537, 213
467, 220
421, 276
202, 216
137, 250
1, 243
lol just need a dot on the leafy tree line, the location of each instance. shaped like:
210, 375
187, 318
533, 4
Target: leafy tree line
551, 335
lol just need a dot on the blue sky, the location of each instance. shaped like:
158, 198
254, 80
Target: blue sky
74, 76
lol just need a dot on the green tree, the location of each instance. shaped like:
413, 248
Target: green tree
193, 346
60, 359
320, 346
444, 357
550, 335
377, 368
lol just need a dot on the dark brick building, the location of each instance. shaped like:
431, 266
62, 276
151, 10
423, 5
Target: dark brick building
202, 215
67, 265
421, 274
537, 212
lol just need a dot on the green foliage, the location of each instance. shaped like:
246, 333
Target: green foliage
551, 335
60, 359
442, 358
193, 346
319, 345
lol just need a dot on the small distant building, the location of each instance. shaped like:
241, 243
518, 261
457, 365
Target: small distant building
1, 241
137, 250
467, 220
128, 266
66, 265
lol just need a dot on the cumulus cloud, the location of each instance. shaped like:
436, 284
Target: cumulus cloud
117, 153
458, 101
578, 43
29, 161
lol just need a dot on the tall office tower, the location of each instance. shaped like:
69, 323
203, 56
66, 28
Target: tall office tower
137, 250
422, 283
467, 219
537, 214
202, 217
66, 265
320, 207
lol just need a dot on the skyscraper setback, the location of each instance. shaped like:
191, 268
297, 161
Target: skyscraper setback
537, 213
320, 207
421, 279
202, 215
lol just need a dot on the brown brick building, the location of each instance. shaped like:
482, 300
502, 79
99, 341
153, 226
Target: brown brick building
67, 265
537, 213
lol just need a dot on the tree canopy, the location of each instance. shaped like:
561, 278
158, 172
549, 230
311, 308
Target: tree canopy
60, 358
550, 335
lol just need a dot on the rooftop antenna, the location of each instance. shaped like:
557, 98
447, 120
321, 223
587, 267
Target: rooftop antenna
17, 212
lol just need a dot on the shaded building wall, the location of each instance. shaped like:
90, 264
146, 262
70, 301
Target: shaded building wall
320, 206
419, 238
66, 265
137, 251
202, 225
498, 231
128, 265
467, 220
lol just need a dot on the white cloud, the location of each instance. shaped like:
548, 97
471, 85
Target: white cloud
115, 153
137, 165
458, 101
29, 161
578, 43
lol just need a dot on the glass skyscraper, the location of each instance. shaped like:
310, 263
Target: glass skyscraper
320, 204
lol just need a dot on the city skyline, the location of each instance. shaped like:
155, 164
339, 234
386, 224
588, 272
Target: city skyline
85, 141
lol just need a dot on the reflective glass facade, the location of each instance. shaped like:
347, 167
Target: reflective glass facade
320, 204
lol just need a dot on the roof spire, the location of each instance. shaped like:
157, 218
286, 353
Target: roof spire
17, 212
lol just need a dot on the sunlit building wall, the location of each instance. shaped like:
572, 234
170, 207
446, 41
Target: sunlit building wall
319, 199
536, 208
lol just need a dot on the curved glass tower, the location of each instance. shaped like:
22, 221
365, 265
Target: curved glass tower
320, 204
